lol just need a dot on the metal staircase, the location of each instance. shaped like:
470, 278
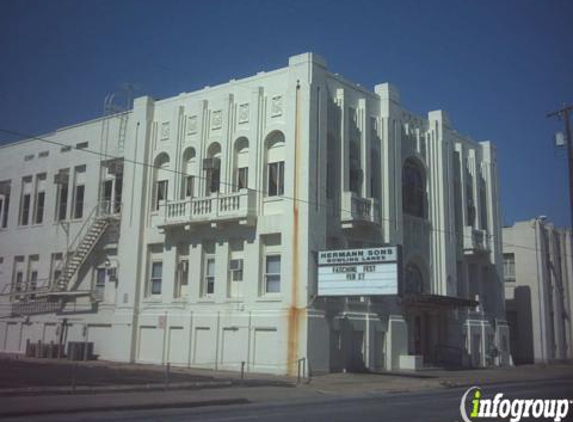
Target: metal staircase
86, 239
44, 296
86, 245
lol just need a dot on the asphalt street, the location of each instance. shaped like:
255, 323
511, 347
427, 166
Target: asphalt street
429, 406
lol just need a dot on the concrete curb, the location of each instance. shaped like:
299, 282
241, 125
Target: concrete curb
67, 390
136, 388
452, 384
142, 406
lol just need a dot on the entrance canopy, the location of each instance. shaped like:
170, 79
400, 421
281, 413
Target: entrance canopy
437, 301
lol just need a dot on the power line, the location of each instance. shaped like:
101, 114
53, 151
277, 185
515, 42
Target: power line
203, 178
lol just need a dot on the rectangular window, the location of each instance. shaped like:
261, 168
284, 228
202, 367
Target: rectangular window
236, 268
62, 180
25, 213
18, 275
182, 276
79, 201
63, 202
55, 268
156, 277
213, 179
33, 283
275, 177
26, 200
272, 274
19, 281
33, 261
100, 282
241, 178
189, 189
40, 200
79, 192
209, 279
100, 277
483, 204
118, 193
509, 267
4, 205
161, 187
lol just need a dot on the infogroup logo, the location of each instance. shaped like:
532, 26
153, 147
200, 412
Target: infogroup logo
511, 409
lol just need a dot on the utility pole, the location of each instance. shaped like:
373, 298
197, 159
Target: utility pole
563, 113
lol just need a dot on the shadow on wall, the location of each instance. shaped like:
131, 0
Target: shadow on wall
519, 317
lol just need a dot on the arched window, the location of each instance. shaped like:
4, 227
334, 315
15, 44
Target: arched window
241, 164
212, 168
413, 189
275, 163
160, 180
189, 169
414, 280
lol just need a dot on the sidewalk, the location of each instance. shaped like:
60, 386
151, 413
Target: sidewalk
262, 388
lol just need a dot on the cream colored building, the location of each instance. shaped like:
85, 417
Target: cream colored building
538, 268
194, 238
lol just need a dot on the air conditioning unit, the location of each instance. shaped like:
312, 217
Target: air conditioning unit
112, 274
211, 163
183, 266
236, 265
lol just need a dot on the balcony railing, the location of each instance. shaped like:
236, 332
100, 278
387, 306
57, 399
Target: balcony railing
359, 210
239, 206
475, 241
35, 306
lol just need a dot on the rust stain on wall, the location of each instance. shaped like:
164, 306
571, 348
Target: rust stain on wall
294, 313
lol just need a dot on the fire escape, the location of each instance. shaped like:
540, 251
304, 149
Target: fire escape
51, 295
101, 226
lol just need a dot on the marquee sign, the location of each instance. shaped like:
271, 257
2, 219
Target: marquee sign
358, 272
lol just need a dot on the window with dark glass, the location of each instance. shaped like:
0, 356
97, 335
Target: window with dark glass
156, 277
100, 281
213, 179
241, 178
483, 204
414, 280
189, 186
413, 190
276, 178
40, 199
33, 282
209, 281
19, 280
4, 207
118, 192
62, 208
25, 215
273, 274
79, 201
160, 193
509, 267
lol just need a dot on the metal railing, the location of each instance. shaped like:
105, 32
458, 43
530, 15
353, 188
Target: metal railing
103, 209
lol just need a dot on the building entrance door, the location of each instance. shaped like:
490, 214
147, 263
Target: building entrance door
355, 361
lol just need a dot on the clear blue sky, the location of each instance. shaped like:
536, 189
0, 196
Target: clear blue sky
497, 67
